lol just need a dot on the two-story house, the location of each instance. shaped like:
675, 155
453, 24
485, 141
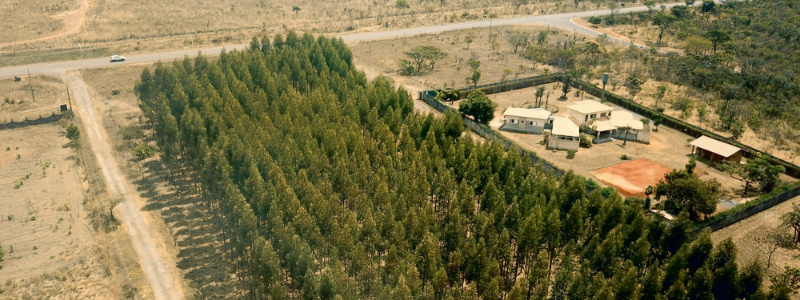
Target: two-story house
586, 111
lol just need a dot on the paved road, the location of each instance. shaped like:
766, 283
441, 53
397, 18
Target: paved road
557, 20
151, 261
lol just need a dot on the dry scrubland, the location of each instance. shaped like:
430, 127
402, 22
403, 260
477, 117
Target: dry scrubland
180, 224
17, 103
749, 236
385, 55
129, 27
775, 138
454, 70
54, 210
42, 192
28, 19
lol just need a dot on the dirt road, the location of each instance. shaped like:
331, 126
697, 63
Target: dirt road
150, 259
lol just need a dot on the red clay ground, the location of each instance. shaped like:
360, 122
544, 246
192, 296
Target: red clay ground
632, 178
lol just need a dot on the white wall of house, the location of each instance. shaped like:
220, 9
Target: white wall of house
585, 118
526, 122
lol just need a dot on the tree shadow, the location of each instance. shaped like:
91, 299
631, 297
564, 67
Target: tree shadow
193, 225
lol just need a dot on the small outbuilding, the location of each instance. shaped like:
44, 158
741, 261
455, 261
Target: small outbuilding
525, 120
565, 135
716, 151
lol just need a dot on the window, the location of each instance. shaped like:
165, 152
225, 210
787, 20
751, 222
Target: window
602, 115
513, 121
594, 116
532, 123
586, 118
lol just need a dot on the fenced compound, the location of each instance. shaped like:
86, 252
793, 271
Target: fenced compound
717, 222
27, 122
682, 126
490, 134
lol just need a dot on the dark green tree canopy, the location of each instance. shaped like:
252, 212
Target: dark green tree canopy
478, 106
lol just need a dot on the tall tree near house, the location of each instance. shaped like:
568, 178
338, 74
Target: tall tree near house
760, 170
663, 21
479, 107
688, 192
627, 130
566, 85
539, 94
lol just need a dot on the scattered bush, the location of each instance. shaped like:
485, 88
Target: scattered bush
607, 191
624, 157
571, 154
590, 184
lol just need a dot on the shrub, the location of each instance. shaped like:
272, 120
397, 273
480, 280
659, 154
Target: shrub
131, 132
591, 184
143, 151
607, 191
570, 154
624, 157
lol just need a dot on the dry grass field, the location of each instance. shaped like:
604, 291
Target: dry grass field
385, 55
128, 27
749, 236
30, 19
17, 103
42, 197
454, 70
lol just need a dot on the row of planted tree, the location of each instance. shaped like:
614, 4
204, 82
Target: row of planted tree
327, 186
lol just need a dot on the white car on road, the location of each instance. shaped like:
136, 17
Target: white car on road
117, 58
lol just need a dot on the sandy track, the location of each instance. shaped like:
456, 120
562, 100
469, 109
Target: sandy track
149, 258
73, 21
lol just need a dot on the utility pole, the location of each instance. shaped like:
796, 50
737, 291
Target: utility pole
69, 99
30, 84
81, 47
603, 94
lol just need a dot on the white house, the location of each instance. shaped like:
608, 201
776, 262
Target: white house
525, 120
565, 135
615, 126
584, 112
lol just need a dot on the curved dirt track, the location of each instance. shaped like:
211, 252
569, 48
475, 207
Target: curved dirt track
73, 21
